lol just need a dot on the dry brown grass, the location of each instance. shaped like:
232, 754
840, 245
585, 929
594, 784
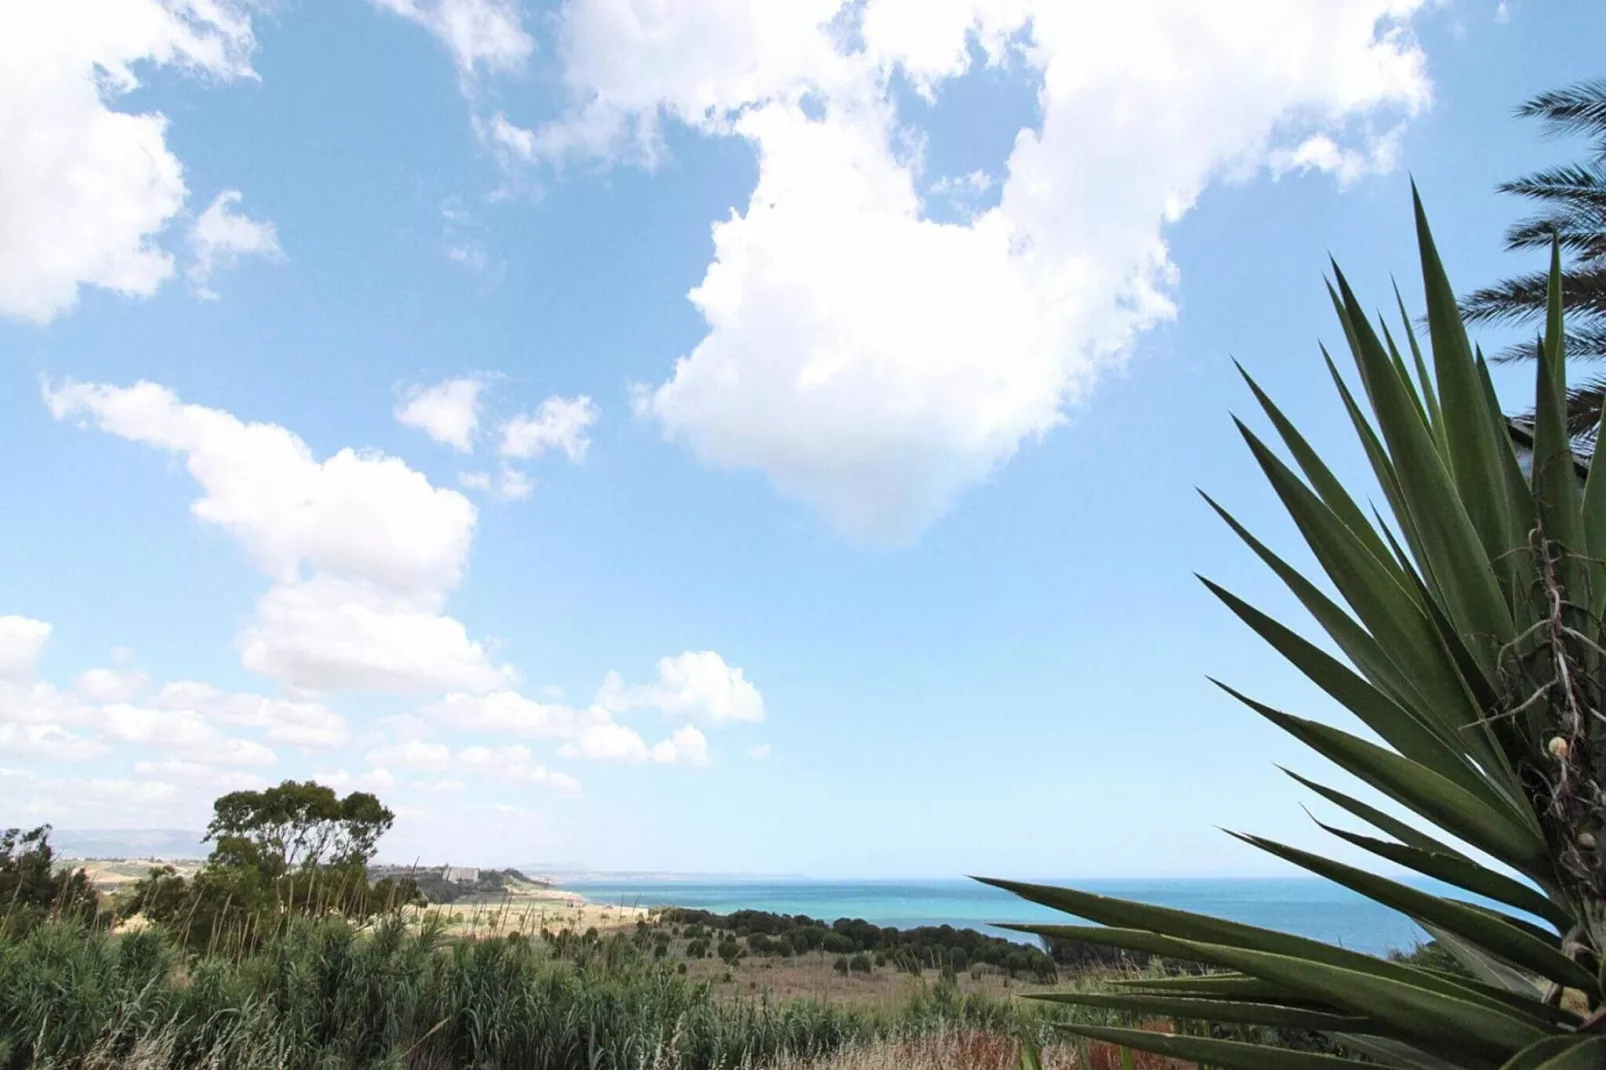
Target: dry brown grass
976, 1051
813, 977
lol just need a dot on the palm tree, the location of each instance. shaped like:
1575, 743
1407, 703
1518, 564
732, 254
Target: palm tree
1573, 197
1467, 633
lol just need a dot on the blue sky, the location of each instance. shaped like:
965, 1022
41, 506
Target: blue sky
699, 436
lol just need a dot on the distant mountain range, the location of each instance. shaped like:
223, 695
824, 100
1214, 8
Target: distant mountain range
128, 843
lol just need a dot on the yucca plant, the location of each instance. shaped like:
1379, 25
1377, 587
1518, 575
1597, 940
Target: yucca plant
1472, 642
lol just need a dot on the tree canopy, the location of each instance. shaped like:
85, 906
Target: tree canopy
296, 825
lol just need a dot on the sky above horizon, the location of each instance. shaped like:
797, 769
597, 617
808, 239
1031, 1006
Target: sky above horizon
698, 435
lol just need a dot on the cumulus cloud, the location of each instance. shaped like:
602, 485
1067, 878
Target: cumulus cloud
559, 424
21, 640
480, 34
612, 742
48, 742
181, 732
221, 236
412, 754
448, 412
87, 189
696, 685
874, 362
104, 802
110, 685
183, 721
363, 550
332, 634
201, 775
294, 723
516, 764
508, 712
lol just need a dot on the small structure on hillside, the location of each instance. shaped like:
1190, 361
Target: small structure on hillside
460, 874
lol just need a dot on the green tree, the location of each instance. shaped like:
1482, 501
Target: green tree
1473, 645
299, 824
1572, 210
294, 849
33, 886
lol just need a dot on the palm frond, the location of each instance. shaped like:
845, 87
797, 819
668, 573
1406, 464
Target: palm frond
1583, 290
1583, 343
1585, 405
1576, 183
1578, 108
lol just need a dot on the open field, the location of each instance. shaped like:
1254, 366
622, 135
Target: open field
529, 914
113, 875
974, 1050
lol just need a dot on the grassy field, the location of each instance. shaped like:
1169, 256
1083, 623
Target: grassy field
324, 994
533, 978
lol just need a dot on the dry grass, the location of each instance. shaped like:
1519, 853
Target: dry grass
527, 915
813, 977
975, 1051
117, 874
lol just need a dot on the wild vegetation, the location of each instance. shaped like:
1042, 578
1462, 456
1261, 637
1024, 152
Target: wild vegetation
295, 850
435, 887
856, 945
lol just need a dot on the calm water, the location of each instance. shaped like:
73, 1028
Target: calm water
1310, 908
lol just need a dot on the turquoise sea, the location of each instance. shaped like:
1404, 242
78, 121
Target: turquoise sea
1306, 907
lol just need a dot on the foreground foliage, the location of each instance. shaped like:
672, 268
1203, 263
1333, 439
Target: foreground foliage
33, 887
1474, 647
323, 993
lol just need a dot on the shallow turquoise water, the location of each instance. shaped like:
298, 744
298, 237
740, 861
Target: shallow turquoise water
1309, 908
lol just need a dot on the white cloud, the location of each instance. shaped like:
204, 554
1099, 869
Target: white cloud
295, 723
508, 712
86, 190
363, 549
21, 640
560, 423
201, 775
514, 763
696, 685
448, 412
48, 742
42, 704
330, 634
1319, 152
100, 802
221, 236
875, 363
96, 716
511, 144
513, 485
109, 685
612, 742
368, 780
478, 33
360, 514
182, 732
412, 754
759, 752
509, 485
